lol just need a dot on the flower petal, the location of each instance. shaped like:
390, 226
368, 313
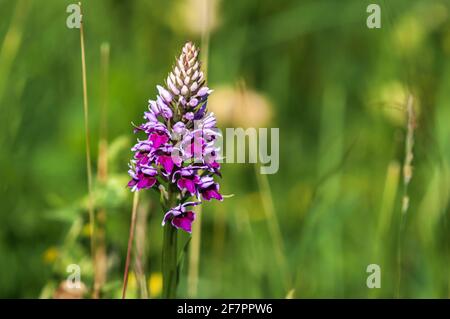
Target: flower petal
166, 162
185, 183
158, 139
184, 222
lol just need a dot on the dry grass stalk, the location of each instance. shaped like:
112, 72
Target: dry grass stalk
88, 146
407, 176
102, 176
130, 243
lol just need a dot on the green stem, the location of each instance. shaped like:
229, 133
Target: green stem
169, 262
170, 251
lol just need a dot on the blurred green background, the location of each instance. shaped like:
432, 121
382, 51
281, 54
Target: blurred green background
336, 89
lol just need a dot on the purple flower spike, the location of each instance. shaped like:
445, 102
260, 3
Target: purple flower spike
178, 151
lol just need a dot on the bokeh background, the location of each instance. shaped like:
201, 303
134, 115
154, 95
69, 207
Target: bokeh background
337, 91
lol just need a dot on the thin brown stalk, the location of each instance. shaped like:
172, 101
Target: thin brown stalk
130, 242
87, 143
407, 176
102, 175
104, 55
140, 242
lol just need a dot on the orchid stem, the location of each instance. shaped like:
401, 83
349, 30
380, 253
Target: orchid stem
169, 262
169, 255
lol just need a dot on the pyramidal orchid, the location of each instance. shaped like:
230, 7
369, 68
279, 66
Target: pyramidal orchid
177, 156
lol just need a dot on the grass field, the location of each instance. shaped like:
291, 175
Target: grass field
364, 148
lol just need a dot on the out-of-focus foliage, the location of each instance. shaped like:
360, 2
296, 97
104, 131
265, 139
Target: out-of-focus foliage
337, 91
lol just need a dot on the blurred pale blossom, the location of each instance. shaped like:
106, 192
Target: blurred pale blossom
392, 97
241, 107
196, 16
65, 291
